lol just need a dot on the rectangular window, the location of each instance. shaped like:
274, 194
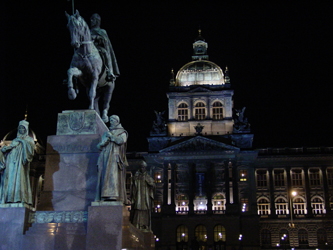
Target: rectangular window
296, 177
279, 178
158, 177
261, 178
281, 208
245, 204
243, 175
330, 176
314, 177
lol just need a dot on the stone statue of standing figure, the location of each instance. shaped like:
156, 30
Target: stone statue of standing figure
142, 197
112, 163
15, 167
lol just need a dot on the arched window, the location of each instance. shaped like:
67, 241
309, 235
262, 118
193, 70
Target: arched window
200, 111
201, 233
218, 203
281, 206
317, 206
299, 206
219, 233
182, 204
303, 237
182, 237
265, 236
264, 207
182, 112
321, 237
182, 233
217, 111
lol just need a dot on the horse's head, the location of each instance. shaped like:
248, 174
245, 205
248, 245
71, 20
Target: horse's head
78, 29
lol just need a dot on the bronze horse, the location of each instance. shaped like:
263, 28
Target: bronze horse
87, 66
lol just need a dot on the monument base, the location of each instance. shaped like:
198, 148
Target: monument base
13, 224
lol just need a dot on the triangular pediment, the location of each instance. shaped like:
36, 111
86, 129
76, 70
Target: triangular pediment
199, 143
199, 89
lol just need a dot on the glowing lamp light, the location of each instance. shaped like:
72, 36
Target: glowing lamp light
183, 203
294, 193
157, 239
240, 237
158, 177
183, 234
218, 203
158, 206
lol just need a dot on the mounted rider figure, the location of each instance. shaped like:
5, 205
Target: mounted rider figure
103, 44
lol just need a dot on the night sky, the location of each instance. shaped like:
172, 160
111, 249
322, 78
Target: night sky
279, 59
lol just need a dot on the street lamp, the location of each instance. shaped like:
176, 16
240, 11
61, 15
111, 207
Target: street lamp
291, 224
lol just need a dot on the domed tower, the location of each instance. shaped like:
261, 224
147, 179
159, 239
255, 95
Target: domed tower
200, 102
200, 97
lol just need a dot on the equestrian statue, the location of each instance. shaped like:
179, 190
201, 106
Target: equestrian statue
94, 63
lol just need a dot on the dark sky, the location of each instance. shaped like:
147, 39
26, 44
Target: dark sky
279, 59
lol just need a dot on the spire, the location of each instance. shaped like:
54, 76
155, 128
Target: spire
172, 78
226, 75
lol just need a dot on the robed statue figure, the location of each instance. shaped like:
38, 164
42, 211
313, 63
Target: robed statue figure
15, 167
112, 163
142, 197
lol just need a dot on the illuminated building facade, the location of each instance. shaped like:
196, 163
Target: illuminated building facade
214, 191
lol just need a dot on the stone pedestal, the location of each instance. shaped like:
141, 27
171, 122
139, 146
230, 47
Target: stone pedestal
71, 161
105, 226
13, 224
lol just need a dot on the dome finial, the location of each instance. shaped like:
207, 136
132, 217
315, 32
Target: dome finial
199, 31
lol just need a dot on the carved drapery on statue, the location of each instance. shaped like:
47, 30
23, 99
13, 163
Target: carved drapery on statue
112, 163
15, 164
142, 197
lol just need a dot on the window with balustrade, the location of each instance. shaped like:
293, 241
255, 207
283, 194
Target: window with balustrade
279, 178
281, 205
299, 206
314, 176
182, 112
200, 111
296, 177
262, 178
263, 206
317, 205
182, 204
217, 111
218, 203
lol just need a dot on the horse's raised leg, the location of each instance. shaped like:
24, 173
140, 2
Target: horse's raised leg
107, 99
70, 73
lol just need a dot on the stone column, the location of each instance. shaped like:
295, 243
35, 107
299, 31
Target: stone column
271, 192
326, 192
307, 192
